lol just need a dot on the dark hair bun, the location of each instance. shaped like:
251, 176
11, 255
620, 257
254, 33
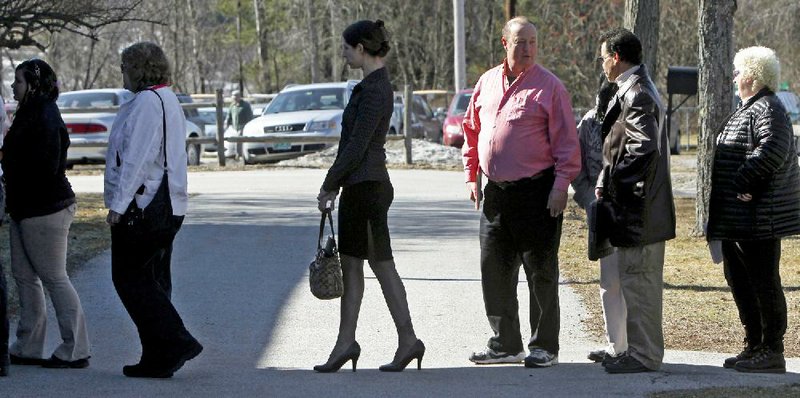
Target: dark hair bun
372, 35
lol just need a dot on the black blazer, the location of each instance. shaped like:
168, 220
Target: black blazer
365, 122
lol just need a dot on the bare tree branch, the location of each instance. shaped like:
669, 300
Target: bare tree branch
23, 22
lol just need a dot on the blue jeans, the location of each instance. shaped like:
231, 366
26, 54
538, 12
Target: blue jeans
516, 228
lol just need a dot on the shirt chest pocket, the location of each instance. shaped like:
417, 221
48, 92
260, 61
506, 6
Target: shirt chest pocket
521, 107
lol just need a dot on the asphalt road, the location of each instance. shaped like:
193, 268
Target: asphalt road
240, 282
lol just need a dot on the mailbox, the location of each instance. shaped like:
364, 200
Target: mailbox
682, 80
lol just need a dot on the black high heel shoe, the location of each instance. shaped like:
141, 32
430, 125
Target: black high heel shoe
352, 353
417, 351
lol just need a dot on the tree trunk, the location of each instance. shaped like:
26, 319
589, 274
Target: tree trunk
239, 45
510, 9
337, 64
197, 79
87, 76
715, 100
313, 42
642, 18
262, 49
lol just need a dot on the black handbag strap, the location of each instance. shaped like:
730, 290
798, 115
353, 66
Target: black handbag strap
163, 126
325, 214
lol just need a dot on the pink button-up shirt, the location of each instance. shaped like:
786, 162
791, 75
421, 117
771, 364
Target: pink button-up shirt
518, 130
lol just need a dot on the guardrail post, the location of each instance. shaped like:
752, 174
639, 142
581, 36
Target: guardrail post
407, 104
220, 130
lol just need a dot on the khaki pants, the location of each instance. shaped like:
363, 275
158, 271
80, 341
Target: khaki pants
39, 259
614, 311
641, 277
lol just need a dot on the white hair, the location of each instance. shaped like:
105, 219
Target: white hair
760, 64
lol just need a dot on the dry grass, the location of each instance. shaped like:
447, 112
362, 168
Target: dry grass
699, 312
88, 236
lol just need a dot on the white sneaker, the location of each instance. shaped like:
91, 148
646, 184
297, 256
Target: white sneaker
490, 356
540, 358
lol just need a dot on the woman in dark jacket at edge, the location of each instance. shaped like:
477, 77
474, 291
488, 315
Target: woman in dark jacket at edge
366, 196
42, 206
755, 201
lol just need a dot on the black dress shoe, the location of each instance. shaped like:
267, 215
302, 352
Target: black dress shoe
144, 370
626, 364
598, 356
58, 363
15, 360
189, 352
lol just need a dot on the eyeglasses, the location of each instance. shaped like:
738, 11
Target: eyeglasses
602, 59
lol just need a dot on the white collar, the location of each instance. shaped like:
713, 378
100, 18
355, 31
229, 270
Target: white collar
623, 77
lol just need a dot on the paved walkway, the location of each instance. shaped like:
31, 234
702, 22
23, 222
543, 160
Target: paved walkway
240, 282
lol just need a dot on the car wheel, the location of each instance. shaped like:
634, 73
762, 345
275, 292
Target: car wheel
193, 154
246, 158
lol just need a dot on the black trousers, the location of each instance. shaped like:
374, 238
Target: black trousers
3, 293
516, 228
752, 269
3, 318
141, 274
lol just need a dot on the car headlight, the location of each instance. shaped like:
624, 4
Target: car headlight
453, 129
321, 125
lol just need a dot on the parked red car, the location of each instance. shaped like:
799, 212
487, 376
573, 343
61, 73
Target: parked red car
452, 134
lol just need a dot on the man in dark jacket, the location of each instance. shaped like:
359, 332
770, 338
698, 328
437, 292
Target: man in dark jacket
635, 194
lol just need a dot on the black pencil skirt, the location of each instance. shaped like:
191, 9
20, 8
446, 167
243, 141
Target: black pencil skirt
363, 210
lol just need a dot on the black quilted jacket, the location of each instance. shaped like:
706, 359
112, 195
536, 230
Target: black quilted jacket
755, 154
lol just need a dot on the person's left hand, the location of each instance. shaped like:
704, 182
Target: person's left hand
324, 197
113, 218
744, 197
557, 202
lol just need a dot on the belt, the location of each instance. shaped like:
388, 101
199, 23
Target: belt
523, 181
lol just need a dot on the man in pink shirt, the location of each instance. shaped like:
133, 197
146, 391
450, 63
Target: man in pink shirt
520, 133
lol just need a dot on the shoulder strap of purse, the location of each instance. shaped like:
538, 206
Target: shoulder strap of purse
163, 125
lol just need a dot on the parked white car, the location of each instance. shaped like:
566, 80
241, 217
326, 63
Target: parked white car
95, 127
308, 110
210, 115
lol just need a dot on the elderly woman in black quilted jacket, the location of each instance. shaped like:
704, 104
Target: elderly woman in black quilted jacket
755, 201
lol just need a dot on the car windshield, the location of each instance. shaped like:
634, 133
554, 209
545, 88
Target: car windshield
461, 104
87, 100
307, 100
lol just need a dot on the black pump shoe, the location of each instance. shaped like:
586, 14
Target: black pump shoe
417, 351
352, 353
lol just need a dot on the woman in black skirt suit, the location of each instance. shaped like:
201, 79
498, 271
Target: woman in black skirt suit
367, 193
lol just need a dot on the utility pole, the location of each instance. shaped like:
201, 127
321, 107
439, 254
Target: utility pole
459, 50
239, 44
